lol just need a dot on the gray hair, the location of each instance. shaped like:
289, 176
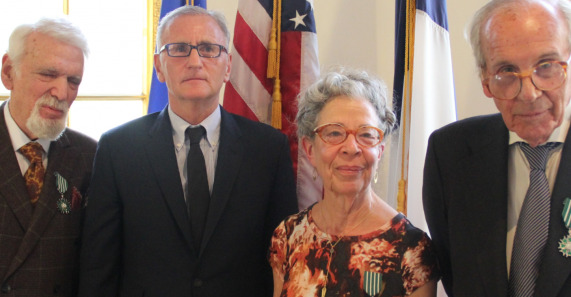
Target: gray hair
343, 82
167, 20
58, 28
473, 30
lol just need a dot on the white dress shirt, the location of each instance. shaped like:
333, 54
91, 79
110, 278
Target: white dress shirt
208, 144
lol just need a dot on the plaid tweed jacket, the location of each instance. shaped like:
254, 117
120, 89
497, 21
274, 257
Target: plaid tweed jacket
39, 248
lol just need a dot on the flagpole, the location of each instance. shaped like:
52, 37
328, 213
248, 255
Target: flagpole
66, 7
153, 16
277, 95
66, 12
273, 71
406, 103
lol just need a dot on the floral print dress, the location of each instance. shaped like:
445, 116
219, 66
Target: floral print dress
394, 260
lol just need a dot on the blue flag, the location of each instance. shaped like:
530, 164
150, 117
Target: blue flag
158, 96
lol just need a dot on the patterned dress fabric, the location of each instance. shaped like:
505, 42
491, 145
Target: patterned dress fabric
394, 260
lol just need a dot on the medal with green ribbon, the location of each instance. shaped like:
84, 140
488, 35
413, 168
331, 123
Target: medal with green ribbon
63, 204
565, 242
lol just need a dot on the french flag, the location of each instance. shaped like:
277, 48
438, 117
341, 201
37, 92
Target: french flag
423, 93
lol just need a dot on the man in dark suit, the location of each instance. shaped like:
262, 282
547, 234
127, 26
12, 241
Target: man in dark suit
41, 200
140, 237
477, 172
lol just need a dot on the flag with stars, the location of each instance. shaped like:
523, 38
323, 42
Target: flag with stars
249, 91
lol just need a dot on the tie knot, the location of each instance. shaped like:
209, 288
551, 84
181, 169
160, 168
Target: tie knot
32, 151
195, 134
537, 156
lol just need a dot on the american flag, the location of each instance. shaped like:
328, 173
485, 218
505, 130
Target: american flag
249, 91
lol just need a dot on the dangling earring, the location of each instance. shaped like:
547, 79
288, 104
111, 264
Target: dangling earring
376, 177
314, 173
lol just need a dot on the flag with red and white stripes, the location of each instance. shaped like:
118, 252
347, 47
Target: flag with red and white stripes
249, 91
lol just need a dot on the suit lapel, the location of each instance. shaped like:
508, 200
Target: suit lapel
491, 231
160, 153
482, 179
555, 268
230, 156
12, 184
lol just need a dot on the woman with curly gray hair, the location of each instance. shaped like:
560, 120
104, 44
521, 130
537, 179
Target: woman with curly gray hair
351, 242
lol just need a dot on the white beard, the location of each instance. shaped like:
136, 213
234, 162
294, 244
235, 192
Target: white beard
47, 128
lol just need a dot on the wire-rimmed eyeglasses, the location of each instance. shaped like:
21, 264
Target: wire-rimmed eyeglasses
334, 133
205, 50
547, 76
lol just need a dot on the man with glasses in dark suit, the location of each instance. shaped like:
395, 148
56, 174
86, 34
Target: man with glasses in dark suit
496, 186
184, 201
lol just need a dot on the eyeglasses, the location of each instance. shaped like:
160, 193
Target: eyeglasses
336, 133
546, 76
205, 50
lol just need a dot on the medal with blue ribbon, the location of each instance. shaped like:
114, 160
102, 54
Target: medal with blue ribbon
565, 242
63, 204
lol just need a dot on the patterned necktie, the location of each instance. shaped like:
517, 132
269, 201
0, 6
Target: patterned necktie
198, 195
532, 225
34, 176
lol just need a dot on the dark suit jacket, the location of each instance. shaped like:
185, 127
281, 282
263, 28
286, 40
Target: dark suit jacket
465, 202
39, 249
137, 239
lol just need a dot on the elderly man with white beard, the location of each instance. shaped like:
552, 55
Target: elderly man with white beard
45, 168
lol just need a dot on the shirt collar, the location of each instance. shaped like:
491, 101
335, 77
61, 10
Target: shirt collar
211, 124
558, 135
17, 136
